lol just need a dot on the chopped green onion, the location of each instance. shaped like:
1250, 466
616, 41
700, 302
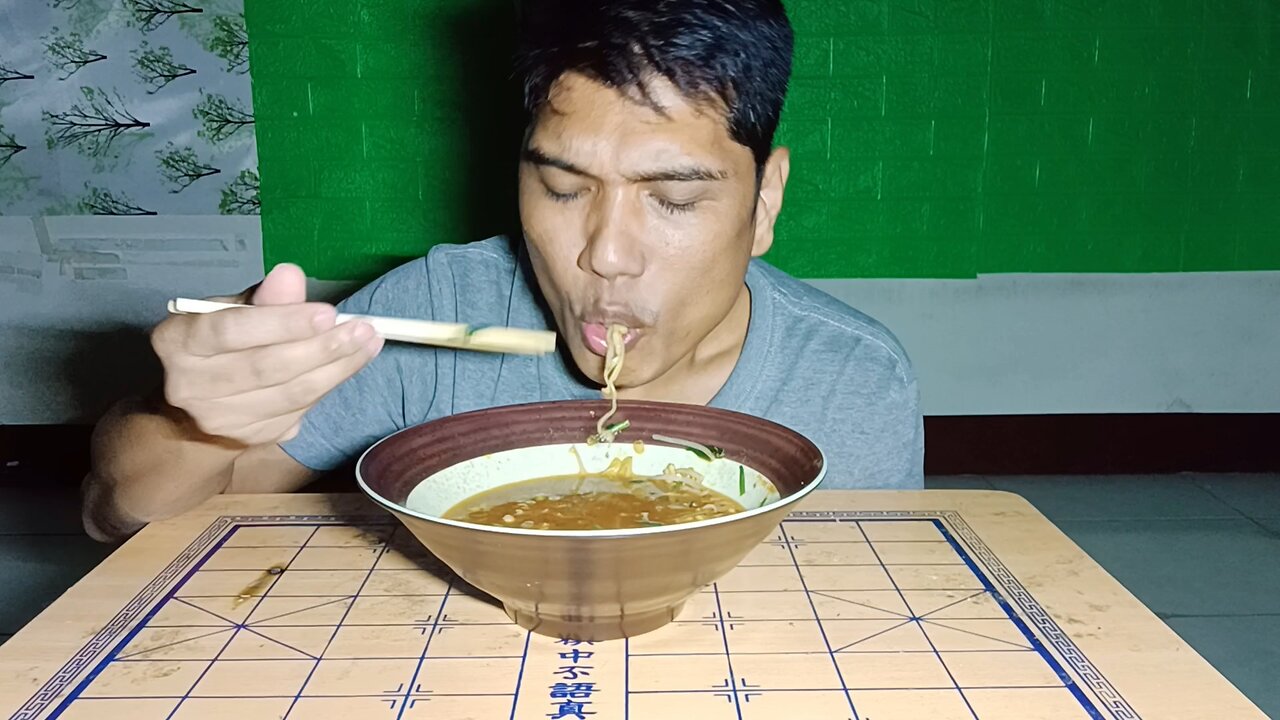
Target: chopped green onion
618, 427
763, 501
701, 455
650, 523
742, 481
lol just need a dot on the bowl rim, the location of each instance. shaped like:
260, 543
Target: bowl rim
608, 533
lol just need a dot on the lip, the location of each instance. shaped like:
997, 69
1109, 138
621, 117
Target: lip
595, 336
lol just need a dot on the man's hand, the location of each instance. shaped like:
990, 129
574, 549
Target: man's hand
249, 374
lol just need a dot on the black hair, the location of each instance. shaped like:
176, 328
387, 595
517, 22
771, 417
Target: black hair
736, 53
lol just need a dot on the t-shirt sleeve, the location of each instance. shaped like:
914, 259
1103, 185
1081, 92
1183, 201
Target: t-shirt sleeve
370, 405
891, 437
873, 430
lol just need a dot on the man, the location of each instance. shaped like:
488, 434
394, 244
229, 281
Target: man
648, 188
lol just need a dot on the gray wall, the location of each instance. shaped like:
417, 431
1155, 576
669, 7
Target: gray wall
78, 293
1136, 343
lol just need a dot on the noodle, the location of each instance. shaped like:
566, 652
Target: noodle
707, 453
616, 350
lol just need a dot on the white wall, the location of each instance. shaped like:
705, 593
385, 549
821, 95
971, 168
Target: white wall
78, 293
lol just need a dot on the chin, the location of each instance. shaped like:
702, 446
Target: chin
588, 363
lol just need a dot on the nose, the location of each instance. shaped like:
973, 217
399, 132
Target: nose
613, 248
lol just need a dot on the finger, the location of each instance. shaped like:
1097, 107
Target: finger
281, 429
243, 328
244, 297
242, 371
278, 429
286, 284
293, 431
298, 394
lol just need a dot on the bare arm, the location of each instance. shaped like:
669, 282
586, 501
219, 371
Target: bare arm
237, 383
150, 462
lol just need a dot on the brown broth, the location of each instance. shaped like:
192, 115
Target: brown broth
607, 501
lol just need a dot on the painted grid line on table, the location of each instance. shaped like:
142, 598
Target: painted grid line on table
728, 657
722, 627
752, 691
219, 541
66, 675
132, 657
238, 626
736, 621
949, 520
133, 632
804, 585
336, 628
1047, 626
721, 622
524, 656
963, 561
435, 624
911, 610
1036, 645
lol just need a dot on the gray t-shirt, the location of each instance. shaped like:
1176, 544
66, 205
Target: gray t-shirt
810, 362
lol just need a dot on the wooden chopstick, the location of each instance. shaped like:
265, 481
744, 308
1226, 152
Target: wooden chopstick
517, 341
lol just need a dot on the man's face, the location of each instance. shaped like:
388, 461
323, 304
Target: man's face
641, 218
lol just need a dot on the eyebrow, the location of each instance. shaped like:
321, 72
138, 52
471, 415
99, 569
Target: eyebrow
683, 173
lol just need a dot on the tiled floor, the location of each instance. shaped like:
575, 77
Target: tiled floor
1202, 551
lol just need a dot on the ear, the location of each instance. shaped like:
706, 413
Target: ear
773, 182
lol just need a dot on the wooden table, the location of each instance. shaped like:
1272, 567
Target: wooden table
863, 606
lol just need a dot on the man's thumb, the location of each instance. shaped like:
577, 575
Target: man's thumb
284, 285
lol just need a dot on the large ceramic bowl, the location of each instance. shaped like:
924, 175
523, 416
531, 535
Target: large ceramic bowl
593, 584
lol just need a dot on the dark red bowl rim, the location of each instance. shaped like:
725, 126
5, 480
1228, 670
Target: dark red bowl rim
792, 489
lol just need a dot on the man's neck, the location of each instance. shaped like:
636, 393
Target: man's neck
698, 376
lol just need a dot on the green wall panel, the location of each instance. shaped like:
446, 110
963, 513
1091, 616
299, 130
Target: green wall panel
930, 138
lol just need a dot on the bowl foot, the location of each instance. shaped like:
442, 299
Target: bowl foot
594, 629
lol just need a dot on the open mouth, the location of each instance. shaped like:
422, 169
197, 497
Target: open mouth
596, 337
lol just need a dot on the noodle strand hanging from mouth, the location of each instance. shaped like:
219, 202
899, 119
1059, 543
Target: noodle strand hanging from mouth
616, 350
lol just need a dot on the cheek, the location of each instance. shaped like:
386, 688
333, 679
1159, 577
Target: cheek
533, 214
699, 278
695, 290
702, 243
550, 250
549, 227
538, 211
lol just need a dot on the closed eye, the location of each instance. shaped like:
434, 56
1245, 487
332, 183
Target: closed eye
562, 197
675, 208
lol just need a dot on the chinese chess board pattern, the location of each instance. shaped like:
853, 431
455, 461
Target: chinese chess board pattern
840, 615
